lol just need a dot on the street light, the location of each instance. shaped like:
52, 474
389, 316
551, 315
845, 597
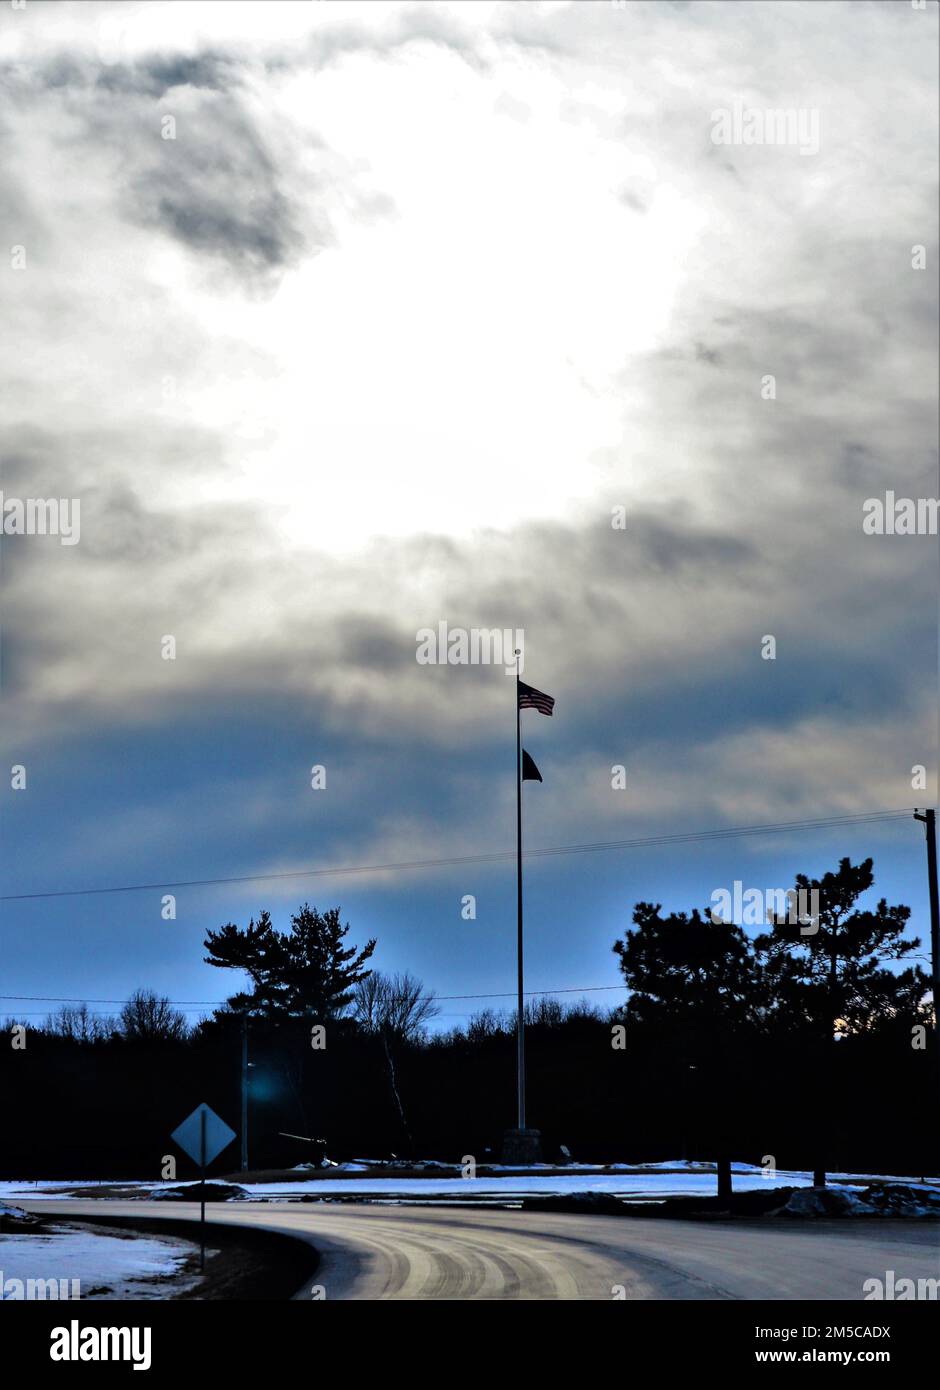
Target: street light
246, 1067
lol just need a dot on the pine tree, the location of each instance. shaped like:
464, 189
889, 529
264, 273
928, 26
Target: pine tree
307, 972
692, 980
823, 976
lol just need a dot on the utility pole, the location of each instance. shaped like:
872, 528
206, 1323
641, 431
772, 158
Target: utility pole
827, 1076
929, 819
244, 1093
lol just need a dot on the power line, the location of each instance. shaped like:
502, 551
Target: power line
92, 1013
78, 999
494, 857
215, 1003
190, 1005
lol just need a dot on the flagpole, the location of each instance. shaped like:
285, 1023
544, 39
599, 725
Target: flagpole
520, 1025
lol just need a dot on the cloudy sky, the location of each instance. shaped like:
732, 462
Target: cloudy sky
346, 319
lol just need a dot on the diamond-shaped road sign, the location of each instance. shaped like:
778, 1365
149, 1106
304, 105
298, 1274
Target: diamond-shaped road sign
203, 1135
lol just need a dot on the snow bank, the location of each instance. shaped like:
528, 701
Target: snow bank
15, 1218
883, 1199
106, 1265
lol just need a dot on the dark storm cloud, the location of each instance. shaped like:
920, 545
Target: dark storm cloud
152, 76
156, 76
217, 189
257, 234
222, 188
371, 645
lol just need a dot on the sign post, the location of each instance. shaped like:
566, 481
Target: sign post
202, 1190
203, 1135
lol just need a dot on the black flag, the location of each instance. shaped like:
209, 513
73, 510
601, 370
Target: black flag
530, 772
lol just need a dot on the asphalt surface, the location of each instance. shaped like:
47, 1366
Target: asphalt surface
443, 1252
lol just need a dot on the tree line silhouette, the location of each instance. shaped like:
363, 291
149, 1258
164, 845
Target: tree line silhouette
807, 1044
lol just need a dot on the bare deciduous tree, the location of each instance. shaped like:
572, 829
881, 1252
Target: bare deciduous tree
76, 1023
149, 1016
397, 1005
397, 1010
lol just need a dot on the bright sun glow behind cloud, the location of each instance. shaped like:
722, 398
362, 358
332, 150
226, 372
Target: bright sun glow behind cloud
451, 363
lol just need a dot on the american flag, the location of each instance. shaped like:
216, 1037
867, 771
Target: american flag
530, 698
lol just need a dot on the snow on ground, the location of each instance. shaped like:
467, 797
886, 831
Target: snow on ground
653, 1185
39, 1187
105, 1264
653, 1180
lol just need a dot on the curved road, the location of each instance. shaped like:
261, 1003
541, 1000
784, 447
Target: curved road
446, 1252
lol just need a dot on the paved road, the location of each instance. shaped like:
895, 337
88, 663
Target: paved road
383, 1252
